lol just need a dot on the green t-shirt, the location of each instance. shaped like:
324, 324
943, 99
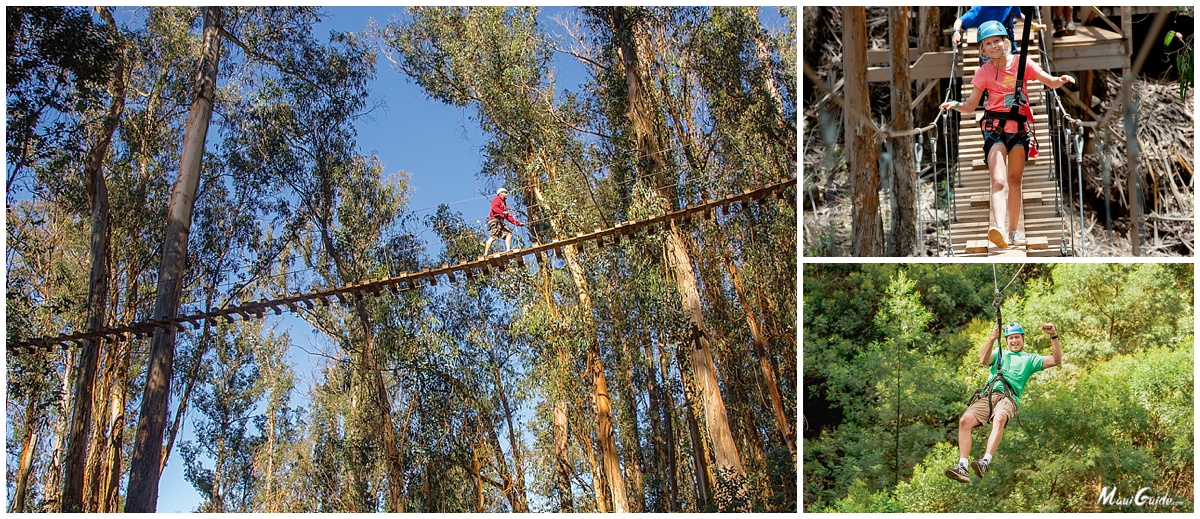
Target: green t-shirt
1018, 367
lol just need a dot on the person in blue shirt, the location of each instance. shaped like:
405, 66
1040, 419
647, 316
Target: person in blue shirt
1018, 366
979, 14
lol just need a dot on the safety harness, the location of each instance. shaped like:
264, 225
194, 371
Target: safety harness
1019, 110
1006, 389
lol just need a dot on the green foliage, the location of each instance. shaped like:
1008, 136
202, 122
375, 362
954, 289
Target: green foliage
861, 500
1111, 308
1115, 414
729, 495
58, 62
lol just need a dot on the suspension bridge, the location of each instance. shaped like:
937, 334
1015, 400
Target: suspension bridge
484, 265
947, 152
1041, 219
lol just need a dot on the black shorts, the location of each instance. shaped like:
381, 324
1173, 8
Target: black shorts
1009, 140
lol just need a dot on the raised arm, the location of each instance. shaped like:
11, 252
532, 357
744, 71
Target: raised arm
985, 358
1055, 358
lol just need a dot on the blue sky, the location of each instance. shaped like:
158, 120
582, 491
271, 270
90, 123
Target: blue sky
439, 145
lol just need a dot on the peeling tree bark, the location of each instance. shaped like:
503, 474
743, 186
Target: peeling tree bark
26, 465
93, 172
144, 474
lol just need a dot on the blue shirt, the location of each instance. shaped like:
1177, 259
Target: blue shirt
982, 13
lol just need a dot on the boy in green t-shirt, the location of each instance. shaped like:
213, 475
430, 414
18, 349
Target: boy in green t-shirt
1018, 366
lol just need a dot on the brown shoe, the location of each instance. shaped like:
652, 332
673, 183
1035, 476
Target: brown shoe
996, 236
1069, 30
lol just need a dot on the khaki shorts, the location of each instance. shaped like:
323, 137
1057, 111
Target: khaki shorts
1000, 405
497, 228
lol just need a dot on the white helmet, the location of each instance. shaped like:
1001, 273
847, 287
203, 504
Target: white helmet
501, 191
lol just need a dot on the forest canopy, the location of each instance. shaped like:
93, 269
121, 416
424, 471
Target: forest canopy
194, 159
892, 352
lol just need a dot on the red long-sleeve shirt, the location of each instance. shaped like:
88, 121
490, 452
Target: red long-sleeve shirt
500, 210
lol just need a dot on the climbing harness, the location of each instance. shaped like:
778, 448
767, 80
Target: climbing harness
1005, 387
1018, 110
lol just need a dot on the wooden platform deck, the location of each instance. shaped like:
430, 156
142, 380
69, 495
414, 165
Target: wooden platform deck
1092, 47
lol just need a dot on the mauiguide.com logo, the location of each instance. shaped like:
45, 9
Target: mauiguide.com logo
1144, 498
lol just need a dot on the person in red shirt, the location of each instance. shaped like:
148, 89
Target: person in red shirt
1007, 144
496, 226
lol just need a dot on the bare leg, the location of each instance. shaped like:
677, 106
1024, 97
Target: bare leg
507, 242
993, 442
997, 162
488, 246
1016, 168
966, 424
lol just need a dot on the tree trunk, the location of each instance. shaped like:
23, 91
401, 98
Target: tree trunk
506, 476
110, 486
651, 162
703, 473
703, 369
904, 219
479, 502
595, 363
604, 430
144, 467
770, 380
866, 221
369, 364
53, 486
595, 367
787, 129
26, 466
670, 462
632, 437
93, 173
562, 463
656, 467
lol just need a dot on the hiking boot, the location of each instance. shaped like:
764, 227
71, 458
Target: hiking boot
1069, 30
979, 467
1016, 238
996, 236
958, 473
1058, 27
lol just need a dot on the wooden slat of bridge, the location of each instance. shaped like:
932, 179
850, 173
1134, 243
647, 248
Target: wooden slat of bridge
406, 280
1037, 218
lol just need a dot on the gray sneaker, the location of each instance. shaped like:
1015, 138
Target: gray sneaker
979, 467
1016, 238
958, 473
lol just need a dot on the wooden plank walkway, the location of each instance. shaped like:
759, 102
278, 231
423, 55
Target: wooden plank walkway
972, 200
406, 280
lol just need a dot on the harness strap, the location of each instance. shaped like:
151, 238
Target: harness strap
1019, 95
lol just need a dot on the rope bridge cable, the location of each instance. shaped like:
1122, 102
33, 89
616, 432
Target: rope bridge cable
406, 280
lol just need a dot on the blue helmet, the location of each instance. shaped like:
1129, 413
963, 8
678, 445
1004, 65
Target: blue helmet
1013, 328
991, 28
